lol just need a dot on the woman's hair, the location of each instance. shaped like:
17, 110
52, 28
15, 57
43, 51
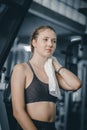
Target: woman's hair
36, 33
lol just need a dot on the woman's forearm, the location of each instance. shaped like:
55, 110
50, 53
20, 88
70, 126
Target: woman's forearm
70, 78
24, 120
66, 78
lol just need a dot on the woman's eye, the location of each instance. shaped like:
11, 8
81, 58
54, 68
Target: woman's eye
54, 41
45, 39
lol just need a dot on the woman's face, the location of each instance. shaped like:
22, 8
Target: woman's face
45, 42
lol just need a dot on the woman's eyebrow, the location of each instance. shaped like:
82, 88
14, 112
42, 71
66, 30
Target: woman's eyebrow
49, 37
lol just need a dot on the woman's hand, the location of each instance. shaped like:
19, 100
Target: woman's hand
56, 64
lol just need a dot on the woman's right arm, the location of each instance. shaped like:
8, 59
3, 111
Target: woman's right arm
18, 103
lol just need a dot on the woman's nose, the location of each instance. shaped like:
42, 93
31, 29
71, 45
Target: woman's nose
50, 43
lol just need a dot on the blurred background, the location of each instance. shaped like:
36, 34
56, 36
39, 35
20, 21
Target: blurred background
18, 19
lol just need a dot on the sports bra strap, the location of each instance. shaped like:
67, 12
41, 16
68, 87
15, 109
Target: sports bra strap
30, 66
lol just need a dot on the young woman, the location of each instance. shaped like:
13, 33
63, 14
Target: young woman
33, 107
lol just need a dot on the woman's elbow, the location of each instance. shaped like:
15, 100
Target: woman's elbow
15, 114
77, 85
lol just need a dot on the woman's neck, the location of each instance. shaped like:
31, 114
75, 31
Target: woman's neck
38, 61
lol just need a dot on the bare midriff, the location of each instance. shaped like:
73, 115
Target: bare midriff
42, 111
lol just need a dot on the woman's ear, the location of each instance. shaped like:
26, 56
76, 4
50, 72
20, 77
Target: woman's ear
34, 42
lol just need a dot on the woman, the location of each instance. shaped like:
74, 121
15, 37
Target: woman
33, 107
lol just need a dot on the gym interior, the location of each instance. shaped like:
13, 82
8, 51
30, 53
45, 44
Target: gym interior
18, 18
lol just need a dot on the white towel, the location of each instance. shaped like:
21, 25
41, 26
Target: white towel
53, 83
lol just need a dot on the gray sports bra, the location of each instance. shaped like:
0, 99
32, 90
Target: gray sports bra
37, 91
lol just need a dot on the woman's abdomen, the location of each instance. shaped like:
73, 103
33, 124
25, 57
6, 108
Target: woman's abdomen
43, 111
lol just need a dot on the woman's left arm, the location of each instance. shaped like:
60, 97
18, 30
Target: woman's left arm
66, 79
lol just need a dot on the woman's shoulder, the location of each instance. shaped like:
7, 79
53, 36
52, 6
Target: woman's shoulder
20, 67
